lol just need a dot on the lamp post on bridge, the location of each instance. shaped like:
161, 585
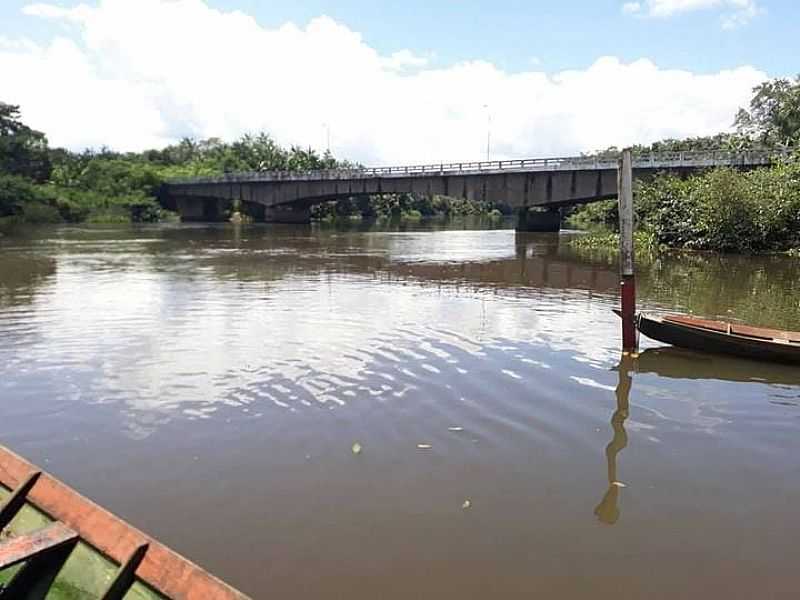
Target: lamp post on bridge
488, 132
327, 127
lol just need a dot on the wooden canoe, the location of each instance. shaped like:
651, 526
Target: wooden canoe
55, 543
722, 337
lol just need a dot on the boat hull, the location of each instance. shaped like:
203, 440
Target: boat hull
720, 342
138, 559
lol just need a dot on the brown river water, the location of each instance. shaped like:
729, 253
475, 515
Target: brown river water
209, 384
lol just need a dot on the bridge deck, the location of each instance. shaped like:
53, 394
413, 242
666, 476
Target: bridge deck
655, 161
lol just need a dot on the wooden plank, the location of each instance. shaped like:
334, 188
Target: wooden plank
763, 333
126, 575
720, 326
162, 569
34, 580
25, 547
17, 500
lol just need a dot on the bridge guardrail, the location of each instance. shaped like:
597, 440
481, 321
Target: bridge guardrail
693, 159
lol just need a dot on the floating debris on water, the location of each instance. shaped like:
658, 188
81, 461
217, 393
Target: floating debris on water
356, 448
618, 484
424, 446
467, 504
455, 429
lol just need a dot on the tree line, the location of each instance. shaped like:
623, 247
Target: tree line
722, 209
42, 184
39, 184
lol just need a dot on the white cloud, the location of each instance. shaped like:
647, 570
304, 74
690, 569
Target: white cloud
631, 8
143, 74
404, 59
50, 11
736, 12
748, 9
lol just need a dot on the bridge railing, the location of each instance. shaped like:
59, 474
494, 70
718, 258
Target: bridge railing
671, 160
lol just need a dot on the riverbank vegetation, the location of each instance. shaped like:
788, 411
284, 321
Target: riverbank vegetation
39, 184
721, 209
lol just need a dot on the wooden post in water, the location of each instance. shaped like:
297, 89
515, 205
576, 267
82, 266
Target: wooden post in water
628, 282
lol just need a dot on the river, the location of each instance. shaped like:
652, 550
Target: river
429, 411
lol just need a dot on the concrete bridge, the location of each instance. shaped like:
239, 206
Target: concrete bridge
542, 184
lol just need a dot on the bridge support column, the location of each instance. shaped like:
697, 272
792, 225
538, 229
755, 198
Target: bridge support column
538, 219
203, 209
254, 210
287, 214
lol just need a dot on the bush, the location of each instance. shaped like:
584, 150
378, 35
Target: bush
38, 212
603, 213
723, 209
15, 193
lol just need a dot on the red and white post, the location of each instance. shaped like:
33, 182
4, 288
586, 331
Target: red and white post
628, 282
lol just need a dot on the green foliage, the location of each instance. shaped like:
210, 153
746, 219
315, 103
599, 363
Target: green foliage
15, 193
723, 210
774, 114
107, 186
257, 152
721, 141
23, 151
607, 243
39, 212
588, 216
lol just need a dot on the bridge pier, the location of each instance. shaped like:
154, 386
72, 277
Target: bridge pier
538, 220
254, 210
203, 209
293, 215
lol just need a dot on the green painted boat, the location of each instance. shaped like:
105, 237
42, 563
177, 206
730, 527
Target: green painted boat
56, 544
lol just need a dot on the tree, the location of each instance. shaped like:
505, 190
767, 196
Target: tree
69, 168
774, 114
23, 151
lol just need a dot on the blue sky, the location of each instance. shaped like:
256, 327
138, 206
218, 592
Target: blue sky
561, 35
547, 71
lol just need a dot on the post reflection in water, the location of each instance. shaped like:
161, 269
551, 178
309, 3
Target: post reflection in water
608, 509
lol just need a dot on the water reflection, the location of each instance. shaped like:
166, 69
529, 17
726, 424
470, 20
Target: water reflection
680, 363
180, 320
159, 368
608, 510
22, 274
